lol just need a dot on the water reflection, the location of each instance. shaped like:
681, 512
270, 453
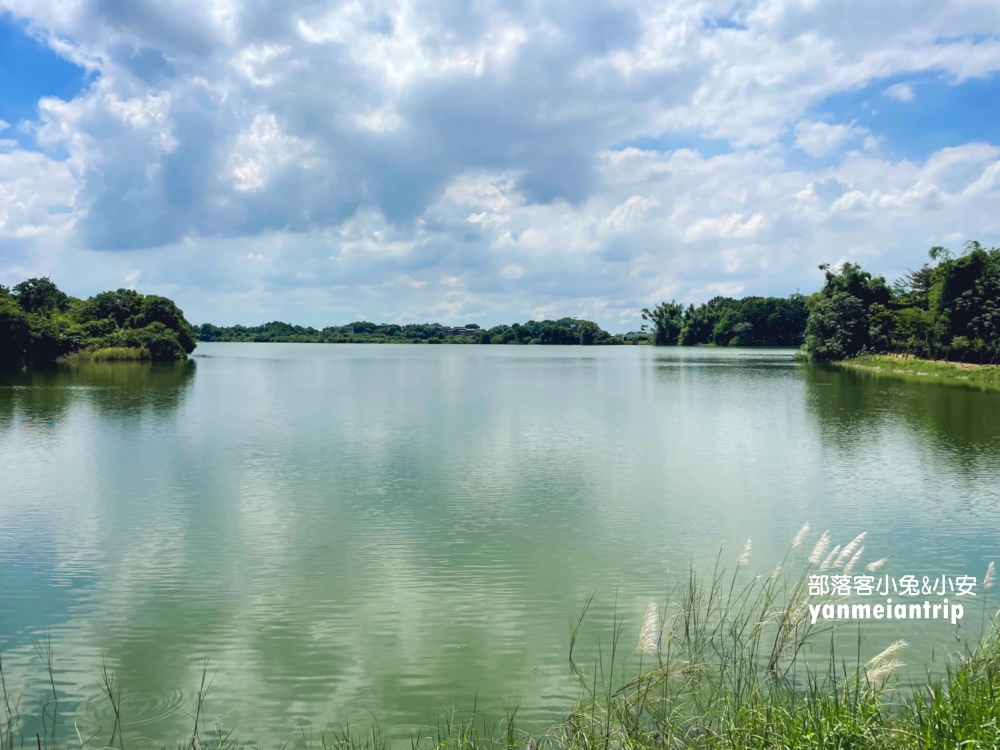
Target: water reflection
402, 529
42, 396
853, 407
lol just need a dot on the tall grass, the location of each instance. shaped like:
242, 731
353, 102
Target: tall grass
719, 664
111, 354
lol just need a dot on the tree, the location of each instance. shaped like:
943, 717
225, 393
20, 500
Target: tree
667, 319
589, 332
155, 309
116, 306
40, 295
836, 327
15, 330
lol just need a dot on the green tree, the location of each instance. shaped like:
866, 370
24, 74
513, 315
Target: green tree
836, 327
40, 295
667, 319
15, 330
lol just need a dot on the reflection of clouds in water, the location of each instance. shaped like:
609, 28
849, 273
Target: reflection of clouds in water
394, 529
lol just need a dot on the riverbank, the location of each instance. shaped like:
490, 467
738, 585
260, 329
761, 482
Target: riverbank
923, 369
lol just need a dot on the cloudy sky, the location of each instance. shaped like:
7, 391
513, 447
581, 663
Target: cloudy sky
477, 160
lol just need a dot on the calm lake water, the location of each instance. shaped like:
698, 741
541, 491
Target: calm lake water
347, 528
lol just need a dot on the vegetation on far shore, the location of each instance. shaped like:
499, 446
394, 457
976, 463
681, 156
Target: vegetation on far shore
724, 321
41, 323
565, 331
728, 661
948, 309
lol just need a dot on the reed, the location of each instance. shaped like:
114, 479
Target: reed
111, 354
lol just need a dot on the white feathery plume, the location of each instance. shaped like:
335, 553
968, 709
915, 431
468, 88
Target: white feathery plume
893, 650
883, 671
797, 540
820, 549
828, 562
795, 615
853, 561
649, 636
991, 574
744, 557
845, 554
775, 572
884, 664
875, 567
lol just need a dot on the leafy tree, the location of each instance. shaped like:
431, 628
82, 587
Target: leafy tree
950, 308
667, 319
155, 309
116, 306
836, 327
589, 332
40, 295
15, 330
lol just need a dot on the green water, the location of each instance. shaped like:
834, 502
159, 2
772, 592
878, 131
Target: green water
345, 529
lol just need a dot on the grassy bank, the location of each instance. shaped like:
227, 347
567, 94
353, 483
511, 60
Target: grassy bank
720, 664
955, 372
110, 354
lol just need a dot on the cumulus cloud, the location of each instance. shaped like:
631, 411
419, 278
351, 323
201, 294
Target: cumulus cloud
319, 161
820, 138
901, 92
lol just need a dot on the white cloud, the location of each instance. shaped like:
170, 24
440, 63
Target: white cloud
901, 92
261, 150
314, 159
820, 139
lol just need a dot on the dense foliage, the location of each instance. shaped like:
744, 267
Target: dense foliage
947, 309
40, 323
562, 331
723, 321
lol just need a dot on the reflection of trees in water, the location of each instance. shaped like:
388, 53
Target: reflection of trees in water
853, 405
44, 395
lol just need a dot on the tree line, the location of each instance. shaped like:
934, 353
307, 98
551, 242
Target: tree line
41, 323
565, 331
948, 309
723, 321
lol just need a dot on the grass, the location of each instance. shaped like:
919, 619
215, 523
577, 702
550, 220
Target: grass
719, 665
111, 354
955, 372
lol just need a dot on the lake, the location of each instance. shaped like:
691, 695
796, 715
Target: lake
356, 530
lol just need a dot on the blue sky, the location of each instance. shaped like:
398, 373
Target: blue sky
921, 114
29, 70
412, 160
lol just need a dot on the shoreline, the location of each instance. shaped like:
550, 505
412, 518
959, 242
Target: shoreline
957, 373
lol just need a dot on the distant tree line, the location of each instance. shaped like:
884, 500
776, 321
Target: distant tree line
40, 323
565, 331
947, 309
